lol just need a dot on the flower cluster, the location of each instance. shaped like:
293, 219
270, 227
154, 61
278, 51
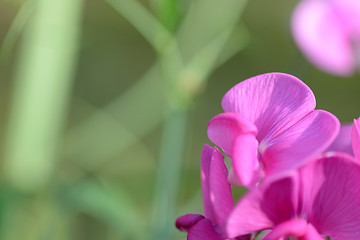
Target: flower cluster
301, 169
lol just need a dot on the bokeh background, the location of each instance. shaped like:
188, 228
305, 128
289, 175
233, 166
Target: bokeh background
104, 107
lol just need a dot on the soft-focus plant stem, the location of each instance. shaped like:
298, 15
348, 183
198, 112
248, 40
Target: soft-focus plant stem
183, 78
42, 87
171, 155
151, 29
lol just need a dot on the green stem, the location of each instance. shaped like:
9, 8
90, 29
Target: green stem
151, 29
43, 84
166, 190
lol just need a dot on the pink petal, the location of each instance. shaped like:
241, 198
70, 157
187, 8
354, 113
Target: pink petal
184, 223
355, 138
233, 178
311, 234
342, 142
244, 158
203, 230
294, 227
349, 10
335, 209
311, 181
273, 101
217, 196
224, 128
300, 143
236, 137
220, 190
321, 35
206, 158
262, 208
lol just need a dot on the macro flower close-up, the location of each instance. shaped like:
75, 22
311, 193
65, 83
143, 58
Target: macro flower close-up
270, 126
179, 119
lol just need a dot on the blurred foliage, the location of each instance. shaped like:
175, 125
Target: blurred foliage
114, 112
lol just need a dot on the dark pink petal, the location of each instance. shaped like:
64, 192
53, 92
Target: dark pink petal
323, 37
335, 210
206, 158
224, 128
355, 138
293, 227
184, 223
342, 142
244, 237
203, 230
273, 101
198, 227
300, 143
245, 158
217, 196
220, 190
311, 234
273, 202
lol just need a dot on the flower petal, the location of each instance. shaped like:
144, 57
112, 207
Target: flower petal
206, 158
335, 209
220, 190
199, 229
245, 158
262, 208
293, 227
300, 143
350, 14
355, 138
321, 35
224, 128
273, 101
342, 142
217, 196
184, 223
311, 234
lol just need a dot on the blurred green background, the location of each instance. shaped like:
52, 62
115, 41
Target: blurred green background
105, 104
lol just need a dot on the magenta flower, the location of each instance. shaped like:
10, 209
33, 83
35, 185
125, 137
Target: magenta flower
355, 138
348, 140
321, 199
328, 33
217, 200
270, 126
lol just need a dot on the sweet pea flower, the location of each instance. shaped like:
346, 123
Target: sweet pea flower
348, 139
270, 126
328, 33
319, 200
217, 200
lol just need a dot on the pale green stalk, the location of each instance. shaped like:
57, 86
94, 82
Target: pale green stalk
173, 144
151, 29
183, 79
42, 87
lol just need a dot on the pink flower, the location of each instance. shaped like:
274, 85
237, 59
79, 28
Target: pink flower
217, 200
328, 33
270, 126
320, 199
348, 140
